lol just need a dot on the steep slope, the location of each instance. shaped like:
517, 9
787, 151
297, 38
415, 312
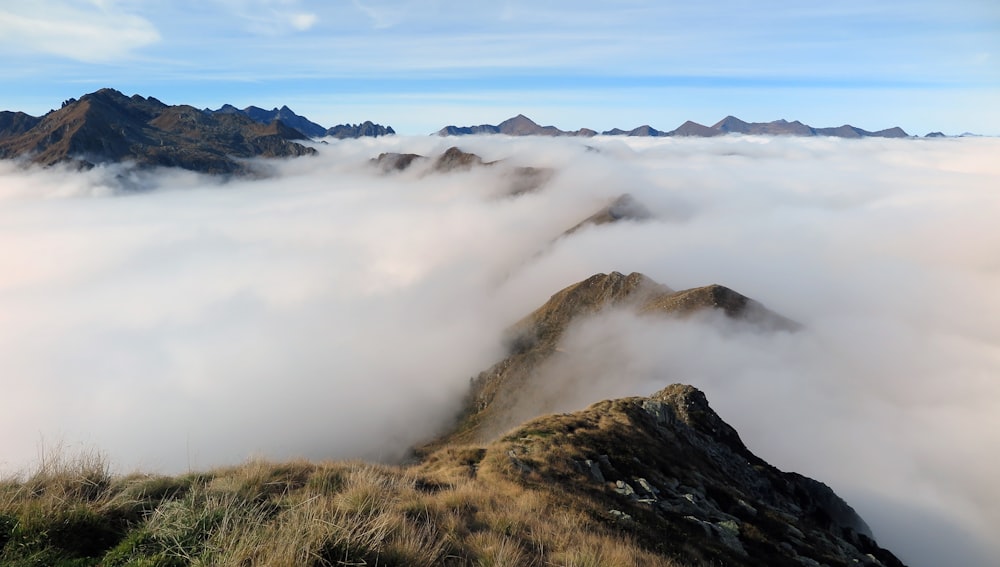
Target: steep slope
667, 471
287, 117
510, 392
106, 126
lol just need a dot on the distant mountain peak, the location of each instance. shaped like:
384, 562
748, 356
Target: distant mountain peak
521, 125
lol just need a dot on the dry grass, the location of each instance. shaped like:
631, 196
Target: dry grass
464, 506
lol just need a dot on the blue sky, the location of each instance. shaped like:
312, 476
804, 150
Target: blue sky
420, 64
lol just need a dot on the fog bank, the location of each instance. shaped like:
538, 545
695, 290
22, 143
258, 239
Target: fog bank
176, 321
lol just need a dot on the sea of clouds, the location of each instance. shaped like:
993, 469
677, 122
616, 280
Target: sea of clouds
330, 310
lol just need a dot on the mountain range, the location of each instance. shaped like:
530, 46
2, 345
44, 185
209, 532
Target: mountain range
521, 125
106, 127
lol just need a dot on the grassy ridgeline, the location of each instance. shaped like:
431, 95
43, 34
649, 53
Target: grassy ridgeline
75, 512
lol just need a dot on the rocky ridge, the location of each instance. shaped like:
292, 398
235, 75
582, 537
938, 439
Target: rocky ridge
306, 126
668, 471
508, 393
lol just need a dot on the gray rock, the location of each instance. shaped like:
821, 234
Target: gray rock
623, 488
648, 488
594, 470
620, 516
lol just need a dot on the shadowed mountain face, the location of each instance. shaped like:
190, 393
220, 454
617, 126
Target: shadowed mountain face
306, 126
523, 126
14, 123
284, 114
106, 126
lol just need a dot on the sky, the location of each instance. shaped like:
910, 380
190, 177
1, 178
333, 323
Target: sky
418, 65
173, 322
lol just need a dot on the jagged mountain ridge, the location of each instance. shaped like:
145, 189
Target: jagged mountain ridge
284, 114
106, 126
521, 125
306, 126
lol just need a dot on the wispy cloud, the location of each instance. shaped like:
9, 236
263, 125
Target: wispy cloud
91, 32
270, 17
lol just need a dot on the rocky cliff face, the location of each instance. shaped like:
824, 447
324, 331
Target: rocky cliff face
106, 126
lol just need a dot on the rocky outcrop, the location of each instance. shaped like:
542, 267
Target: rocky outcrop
670, 472
107, 126
392, 161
